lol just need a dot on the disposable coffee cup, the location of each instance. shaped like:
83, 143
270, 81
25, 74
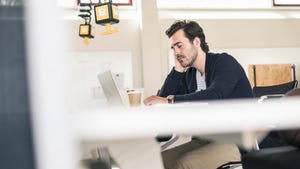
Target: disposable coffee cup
135, 98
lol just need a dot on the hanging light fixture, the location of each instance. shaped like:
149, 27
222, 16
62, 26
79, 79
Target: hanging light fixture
106, 14
86, 30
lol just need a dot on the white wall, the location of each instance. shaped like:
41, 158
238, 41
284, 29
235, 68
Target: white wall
127, 39
247, 56
85, 89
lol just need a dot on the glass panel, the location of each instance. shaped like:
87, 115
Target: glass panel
11, 2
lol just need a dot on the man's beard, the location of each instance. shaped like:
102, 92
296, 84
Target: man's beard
190, 63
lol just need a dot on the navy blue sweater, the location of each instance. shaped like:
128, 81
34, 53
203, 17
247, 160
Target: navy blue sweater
224, 76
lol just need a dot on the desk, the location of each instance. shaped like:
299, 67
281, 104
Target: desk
217, 118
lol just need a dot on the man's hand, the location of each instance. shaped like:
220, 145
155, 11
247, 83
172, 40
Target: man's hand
155, 99
178, 66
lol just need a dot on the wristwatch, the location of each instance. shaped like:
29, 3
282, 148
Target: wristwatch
170, 99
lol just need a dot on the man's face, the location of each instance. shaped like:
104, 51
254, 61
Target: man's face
185, 51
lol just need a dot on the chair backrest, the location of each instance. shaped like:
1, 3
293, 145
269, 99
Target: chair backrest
279, 151
269, 79
275, 89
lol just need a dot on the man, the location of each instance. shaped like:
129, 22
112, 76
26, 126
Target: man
199, 75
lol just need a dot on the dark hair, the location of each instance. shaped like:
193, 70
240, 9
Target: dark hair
191, 30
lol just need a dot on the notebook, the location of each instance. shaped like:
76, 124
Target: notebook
114, 96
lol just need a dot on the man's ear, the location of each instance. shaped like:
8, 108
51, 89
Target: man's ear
197, 41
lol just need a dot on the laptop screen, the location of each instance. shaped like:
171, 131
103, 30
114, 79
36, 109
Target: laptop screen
110, 89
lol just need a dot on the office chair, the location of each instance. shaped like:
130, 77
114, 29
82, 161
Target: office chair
285, 155
278, 150
278, 90
272, 79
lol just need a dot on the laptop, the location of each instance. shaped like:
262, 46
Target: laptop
114, 96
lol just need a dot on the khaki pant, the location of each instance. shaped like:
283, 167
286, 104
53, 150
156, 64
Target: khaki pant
200, 154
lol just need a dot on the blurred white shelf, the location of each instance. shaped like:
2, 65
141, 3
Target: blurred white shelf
246, 116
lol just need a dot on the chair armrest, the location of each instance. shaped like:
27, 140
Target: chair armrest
270, 96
